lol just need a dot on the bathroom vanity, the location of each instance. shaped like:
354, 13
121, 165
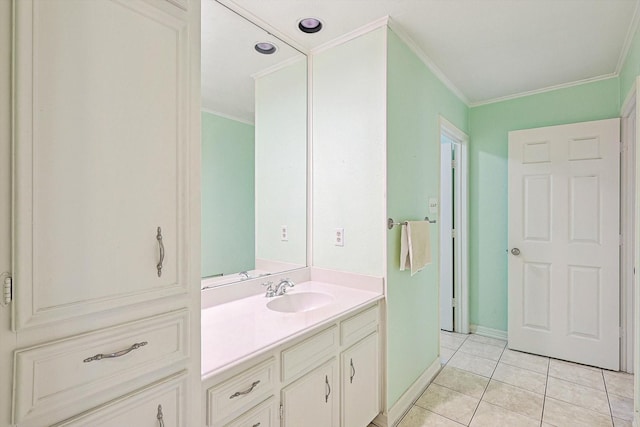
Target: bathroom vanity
310, 357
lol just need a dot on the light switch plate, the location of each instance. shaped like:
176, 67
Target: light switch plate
433, 205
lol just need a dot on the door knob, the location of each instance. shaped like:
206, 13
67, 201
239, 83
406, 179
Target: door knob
515, 251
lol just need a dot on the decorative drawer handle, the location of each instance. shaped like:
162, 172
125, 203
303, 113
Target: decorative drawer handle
161, 246
326, 396
247, 391
353, 372
116, 354
160, 416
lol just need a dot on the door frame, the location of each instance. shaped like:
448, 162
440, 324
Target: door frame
628, 179
460, 224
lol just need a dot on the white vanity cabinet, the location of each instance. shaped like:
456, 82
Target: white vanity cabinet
361, 382
329, 376
311, 400
105, 266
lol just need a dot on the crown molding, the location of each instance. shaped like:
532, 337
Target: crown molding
378, 23
431, 65
227, 116
277, 67
631, 32
543, 90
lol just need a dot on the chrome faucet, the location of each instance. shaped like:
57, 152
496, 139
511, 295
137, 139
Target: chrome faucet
281, 289
244, 275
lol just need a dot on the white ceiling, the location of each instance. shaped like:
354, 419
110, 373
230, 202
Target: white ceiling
486, 49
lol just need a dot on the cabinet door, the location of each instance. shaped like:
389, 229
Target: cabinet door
100, 141
361, 382
311, 401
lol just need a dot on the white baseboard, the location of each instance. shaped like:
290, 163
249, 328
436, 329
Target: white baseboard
406, 401
488, 332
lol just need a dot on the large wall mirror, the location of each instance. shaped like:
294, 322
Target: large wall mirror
254, 150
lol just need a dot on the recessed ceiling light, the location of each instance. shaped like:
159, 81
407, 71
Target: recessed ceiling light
310, 25
265, 48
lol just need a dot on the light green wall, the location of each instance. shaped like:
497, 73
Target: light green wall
281, 164
228, 212
349, 117
489, 125
416, 98
631, 67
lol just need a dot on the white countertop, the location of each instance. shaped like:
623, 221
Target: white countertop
235, 331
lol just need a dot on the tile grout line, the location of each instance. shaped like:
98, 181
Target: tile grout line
544, 398
606, 390
486, 387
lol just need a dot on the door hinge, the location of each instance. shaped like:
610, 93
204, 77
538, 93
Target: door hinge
281, 412
454, 303
453, 233
7, 290
454, 164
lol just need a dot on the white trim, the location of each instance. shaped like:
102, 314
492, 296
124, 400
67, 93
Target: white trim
431, 65
629, 101
378, 23
628, 132
278, 66
631, 32
543, 90
226, 116
488, 332
406, 401
461, 223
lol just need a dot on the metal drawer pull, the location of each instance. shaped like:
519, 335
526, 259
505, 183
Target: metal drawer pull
326, 396
116, 354
161, 246
353, 372
160, 416
247, 391
256, 425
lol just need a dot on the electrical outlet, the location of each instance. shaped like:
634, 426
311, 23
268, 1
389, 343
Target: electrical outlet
284, 233
338, 238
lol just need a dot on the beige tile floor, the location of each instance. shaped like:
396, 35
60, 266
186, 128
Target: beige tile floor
483, 383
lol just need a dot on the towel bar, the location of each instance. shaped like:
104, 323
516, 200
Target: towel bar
390, 222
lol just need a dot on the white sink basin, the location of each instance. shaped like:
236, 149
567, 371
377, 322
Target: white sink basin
299, 302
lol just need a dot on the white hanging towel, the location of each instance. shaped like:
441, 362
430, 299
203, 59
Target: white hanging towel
415, 246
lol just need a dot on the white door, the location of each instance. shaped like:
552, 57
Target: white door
564, 242
446, 240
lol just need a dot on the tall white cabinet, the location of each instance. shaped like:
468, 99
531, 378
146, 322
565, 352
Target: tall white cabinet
105, 260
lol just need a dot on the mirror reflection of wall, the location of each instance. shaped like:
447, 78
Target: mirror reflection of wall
254, 150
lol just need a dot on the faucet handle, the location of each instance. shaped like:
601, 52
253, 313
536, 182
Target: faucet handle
270, 291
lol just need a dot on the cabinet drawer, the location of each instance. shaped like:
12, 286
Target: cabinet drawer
359, 326
234, 396
263, 415
309, 353
85, 371
164, 400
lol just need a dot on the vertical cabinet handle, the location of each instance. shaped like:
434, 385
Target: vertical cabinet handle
161, 247
328, 388
353, 372
160, 416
